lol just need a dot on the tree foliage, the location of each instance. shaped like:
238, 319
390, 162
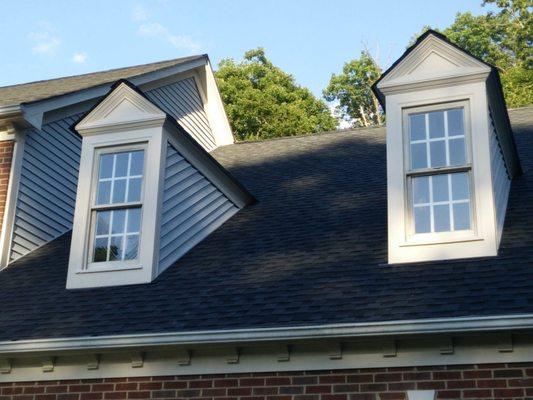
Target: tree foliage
262, 101
504, 39
351, 89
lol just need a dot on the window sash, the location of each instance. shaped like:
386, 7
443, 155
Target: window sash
412, 173
95, 208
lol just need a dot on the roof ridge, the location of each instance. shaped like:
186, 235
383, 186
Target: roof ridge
104, 71
308, 134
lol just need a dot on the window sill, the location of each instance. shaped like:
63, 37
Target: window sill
441, 238
109, 267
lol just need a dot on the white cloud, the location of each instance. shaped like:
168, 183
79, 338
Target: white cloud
140, 14
183, 42
79, 58
45, 41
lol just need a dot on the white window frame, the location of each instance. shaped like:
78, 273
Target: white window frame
89, 265
413, 238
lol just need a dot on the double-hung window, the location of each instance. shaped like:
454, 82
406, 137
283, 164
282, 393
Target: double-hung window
438, 170
116, 210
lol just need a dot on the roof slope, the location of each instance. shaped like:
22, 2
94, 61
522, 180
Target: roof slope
34, 91
312, 251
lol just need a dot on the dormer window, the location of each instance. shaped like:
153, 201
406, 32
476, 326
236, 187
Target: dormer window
450, 153
117, 207
147, 193
438, 171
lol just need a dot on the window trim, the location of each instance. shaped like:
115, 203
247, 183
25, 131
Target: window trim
119, 265
410, 237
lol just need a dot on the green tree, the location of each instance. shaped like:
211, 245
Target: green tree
504, 39
262, 101
351, 89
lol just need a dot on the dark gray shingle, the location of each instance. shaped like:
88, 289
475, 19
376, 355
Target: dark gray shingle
312, 251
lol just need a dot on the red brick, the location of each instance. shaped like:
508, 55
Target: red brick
277, 381
360, 378
431, 385
175, 385
477, 374
416, 376
477, 393
446, 375
318, 389
390, 377
138, 395
333, 397
527, 382
508, 392
91, 396
332, 379
491, 383
508, 373
449, 394
251, 381
392, 396
201, 384
460, 384
126, 386
115, 395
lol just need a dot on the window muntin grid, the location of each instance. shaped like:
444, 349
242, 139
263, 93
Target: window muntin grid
117, 210
438, 172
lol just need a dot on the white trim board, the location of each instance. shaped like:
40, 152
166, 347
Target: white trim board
306, 356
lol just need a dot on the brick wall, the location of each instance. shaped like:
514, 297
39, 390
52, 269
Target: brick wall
484, 381
6, 155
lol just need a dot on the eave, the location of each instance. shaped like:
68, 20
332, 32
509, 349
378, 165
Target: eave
403, 328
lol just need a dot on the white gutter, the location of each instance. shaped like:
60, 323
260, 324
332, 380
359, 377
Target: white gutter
334, 331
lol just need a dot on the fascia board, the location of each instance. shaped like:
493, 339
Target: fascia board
264, 335
34, 111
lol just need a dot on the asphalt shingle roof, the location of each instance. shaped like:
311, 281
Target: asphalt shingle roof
312, 251
34, 91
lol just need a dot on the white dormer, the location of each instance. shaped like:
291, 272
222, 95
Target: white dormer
147, 193
450, 153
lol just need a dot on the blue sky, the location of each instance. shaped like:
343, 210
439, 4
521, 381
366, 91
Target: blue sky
309, 39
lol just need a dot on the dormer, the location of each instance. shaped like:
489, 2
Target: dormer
147, 193
450, 153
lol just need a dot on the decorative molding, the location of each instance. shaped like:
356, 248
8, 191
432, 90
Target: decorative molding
335, 351
390, 348
93, 362
446, 346
137, 360
48, 364
5, 365
284, 354
233, 356
184, 357
505, 343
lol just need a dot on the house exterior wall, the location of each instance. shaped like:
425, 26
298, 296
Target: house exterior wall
501, 183
183, 101
479, 381
47, 186
192, 208
6, 156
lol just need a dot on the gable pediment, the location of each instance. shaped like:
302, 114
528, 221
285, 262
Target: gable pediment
123, 106
431, 60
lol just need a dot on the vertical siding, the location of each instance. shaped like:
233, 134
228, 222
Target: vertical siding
47, 188
182, 101
500, 178
192, 208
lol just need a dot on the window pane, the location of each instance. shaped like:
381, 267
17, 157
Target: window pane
421, 190
102, 222
137, 160
115, 251
418, 126
436, 124
104, 191
457, 151
100, 250
460, 189
121, 164
440, 187
455, 122
134, 220
422, 219
119, 217
106, 166
119, 191
438, 153
418, 156
134, 189
442, 218
461, 216
132, 247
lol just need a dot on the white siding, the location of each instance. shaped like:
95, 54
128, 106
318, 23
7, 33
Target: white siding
192, 208
47, 192
182, 101
500, 178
